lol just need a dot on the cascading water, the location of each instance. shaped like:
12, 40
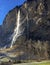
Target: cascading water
17, 30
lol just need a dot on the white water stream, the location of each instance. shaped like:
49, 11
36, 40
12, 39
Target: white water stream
17, 31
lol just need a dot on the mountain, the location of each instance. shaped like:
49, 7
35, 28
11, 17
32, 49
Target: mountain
36, 17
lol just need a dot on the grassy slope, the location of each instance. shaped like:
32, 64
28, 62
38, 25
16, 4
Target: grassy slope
35, 63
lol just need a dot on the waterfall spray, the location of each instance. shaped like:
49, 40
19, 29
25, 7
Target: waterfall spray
17, 31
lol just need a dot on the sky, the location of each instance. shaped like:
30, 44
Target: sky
6, 6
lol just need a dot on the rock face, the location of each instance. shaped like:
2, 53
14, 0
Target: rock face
36, 17
8, 26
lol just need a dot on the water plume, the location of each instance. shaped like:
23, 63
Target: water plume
17, 31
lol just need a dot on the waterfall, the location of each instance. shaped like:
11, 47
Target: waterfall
17, 30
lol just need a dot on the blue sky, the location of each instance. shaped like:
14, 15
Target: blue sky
6, 6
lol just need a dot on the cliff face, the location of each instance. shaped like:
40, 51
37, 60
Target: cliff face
38, 23
7, 27
36, 17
